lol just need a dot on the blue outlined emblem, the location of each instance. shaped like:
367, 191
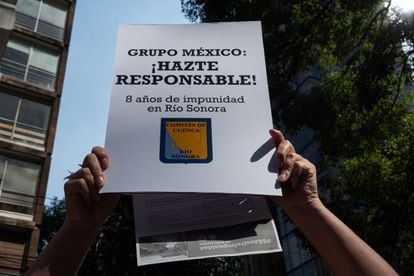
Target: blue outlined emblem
186, 140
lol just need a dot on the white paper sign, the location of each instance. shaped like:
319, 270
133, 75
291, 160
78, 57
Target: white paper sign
190, 111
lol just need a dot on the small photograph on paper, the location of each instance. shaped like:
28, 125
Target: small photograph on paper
249, 238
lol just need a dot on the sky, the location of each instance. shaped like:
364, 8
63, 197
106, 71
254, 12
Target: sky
405, 5
88, 80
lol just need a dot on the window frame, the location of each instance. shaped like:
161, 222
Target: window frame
33, 23
39, 142
30, 210
26, 71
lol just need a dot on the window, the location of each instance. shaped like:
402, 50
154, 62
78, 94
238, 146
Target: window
18, 185
30, 63
295, 254
23, 120
42, 16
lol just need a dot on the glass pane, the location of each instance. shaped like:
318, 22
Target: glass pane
2, 161
53, 14
13, 199
44, 59
8, 107
17, 52
32, 123
28, 7
34, 114
293, 250
308, 269
21, 177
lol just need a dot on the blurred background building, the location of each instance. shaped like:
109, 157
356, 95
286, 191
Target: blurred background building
34, 41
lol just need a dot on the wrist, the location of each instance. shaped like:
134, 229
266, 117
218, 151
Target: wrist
76, 226
312, 205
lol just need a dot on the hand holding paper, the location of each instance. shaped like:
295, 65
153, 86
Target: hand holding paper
84, 204
86, 210
296, 174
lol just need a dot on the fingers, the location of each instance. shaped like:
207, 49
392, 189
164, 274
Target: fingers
277, 136
296, 173
97, 161
284, 147
88, 180
296, 168
102, 156
308, 169
290, 166
83, 182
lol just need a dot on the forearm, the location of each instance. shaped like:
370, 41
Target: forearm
66, 251
339, 246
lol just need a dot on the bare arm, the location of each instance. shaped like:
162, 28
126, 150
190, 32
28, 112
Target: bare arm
339, 246
86, 211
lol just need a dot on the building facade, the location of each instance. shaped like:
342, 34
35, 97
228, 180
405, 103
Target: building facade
33, 54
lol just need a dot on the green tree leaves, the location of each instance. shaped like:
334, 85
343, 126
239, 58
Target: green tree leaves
345, 70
